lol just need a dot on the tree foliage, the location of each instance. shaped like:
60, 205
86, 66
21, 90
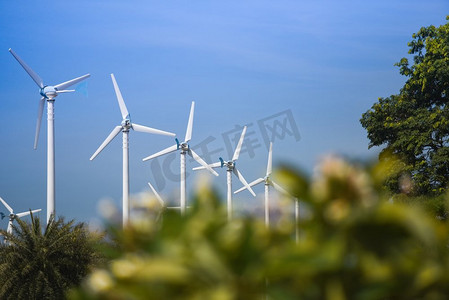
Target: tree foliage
414, 124
354, 244
36, 264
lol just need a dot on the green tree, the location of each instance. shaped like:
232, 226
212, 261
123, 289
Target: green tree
36, 264
414, 124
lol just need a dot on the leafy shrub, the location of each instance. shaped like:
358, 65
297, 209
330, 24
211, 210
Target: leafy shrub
354, 244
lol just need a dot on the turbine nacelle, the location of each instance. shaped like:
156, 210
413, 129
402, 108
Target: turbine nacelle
267, 180
230, 164
184, 146
126, 123
48, 92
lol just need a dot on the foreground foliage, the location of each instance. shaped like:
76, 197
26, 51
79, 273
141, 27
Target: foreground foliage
354, 244
415, 123
36, 264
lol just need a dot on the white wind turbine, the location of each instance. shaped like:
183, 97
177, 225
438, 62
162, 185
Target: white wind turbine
124, 127
231, 168
48, 93
160, 200
268, 182
13, 216
161, 203
184, 148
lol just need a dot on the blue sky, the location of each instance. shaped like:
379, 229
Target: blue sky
322, 62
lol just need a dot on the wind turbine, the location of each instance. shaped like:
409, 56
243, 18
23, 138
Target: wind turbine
124, 127
48, 93
231, 168
185, 149
268, 182
161, 201
13, 216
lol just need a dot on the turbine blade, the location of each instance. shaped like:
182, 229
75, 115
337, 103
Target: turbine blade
270, 160
190, 124
255, 182
40, 111
30, 71
26, 213
165, 151
36, 210
64, 91
146, 129
242, 180
121, 102
239, 145
162, 202
64, 85
110, 137
202, 162
177, 207
6, 205
279, 188
214, 165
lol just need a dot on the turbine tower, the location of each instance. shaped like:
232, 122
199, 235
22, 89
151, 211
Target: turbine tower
297, 211
268, 182
48, 93
124, 127
231, 168
184, 149
12, 216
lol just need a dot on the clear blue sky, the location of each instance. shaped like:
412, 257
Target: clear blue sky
319, 63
